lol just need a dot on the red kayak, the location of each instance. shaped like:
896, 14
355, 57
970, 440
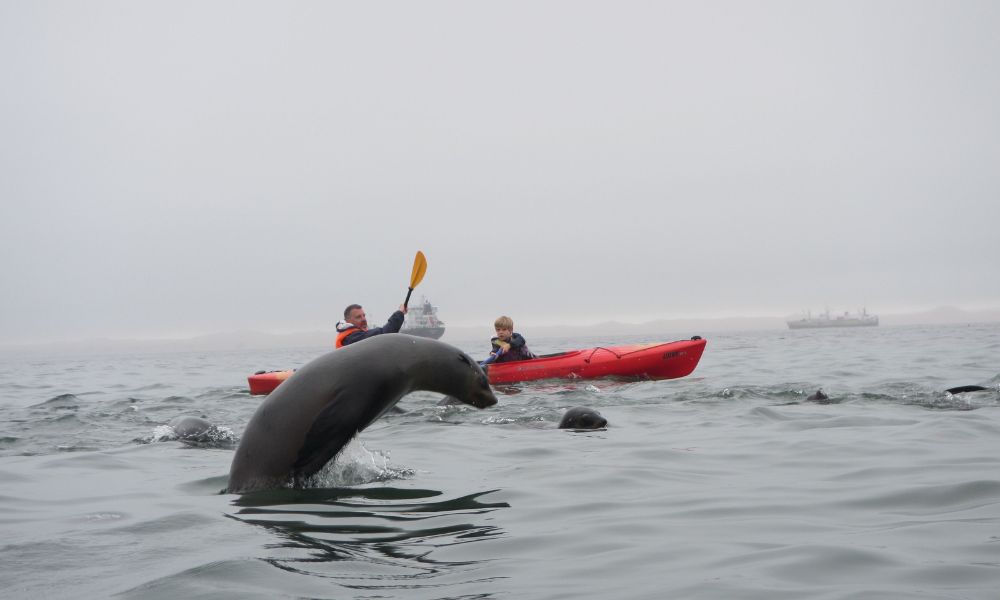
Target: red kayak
264, 383
658, 360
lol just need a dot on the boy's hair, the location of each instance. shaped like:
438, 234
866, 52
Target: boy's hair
350, 307
504, 322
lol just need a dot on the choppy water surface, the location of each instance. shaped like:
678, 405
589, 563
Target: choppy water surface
726, 484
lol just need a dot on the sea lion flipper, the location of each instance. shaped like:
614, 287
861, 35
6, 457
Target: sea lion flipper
966, 388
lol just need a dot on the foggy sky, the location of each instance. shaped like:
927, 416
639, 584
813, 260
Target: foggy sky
175, 168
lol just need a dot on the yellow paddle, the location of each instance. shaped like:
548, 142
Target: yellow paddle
419, 268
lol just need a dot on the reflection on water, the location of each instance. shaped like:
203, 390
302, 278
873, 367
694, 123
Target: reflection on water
378, 537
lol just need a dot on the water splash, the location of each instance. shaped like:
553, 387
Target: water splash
216, 436
356, 465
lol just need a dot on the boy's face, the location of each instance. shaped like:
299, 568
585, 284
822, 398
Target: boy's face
504, 334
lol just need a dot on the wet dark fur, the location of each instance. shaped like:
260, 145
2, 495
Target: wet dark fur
582, 418
310, 417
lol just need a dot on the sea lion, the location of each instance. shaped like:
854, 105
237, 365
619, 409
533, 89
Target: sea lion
187, 427
198, 432
966, 388
305, 422
819, 396
580, 417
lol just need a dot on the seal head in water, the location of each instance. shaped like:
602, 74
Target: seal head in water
580, 417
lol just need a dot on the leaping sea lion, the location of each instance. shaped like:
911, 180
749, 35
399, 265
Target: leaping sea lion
305, 422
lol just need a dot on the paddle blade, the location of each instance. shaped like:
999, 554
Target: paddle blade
419, 268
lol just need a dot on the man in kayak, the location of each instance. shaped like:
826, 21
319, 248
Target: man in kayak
507, 346
354, 327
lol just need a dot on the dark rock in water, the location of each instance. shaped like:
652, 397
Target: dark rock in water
582, 418
819, 396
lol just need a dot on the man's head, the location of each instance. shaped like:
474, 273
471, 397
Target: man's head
355, 315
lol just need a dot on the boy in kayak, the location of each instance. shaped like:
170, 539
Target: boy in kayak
507, 346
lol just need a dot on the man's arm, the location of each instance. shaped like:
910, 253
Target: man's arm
392, 326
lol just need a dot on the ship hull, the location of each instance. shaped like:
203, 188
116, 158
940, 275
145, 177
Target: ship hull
433, 333
832, 323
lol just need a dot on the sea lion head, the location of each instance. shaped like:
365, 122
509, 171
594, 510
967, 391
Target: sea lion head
819, 396
474, 386
425, 364
582, 418
188, 427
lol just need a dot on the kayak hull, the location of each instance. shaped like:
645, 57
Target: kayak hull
265, 383
660, 360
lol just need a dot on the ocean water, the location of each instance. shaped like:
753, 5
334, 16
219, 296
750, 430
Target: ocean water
729, 483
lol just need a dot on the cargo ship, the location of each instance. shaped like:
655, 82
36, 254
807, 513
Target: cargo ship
861, 319
421, 319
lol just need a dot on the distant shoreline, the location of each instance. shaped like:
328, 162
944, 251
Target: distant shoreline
669, 328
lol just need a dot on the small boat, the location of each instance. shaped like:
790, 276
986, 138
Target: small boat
264, 382
658, 360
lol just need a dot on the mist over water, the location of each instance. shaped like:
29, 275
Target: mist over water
259, 166
726, 484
